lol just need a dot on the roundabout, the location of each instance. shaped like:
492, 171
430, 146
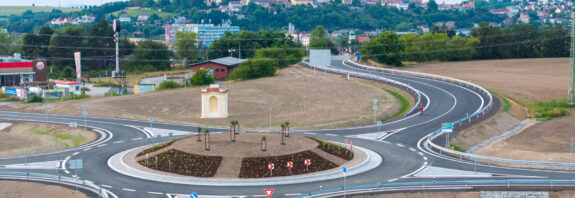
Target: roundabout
393, 152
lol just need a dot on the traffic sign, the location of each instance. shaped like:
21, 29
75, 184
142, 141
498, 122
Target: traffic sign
85, 106
46, 106
73, 124
258, 129
307, 162
344, 169
194, 195
447, 127
269, 192
151, 118
76, 164
85, 113
374, 101
289, 164
379, 123
271, 166
375, 107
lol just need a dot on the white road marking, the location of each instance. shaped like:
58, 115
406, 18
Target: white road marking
309, 133
385, 142
67, 172
329, 134
156, 193
259, 196
106, 186
412, 149
137, 138
400, 145
88, 181
101, 145
116, 142
127, 189
391, 180
420, 153
293, 194
76, 153
425, 158
87, 149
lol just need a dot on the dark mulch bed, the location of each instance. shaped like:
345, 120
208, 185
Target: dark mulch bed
334, 149
257, 167
184, 163
156, 147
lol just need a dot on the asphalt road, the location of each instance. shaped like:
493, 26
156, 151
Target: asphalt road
444, 102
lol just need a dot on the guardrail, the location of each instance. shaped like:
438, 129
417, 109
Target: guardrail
429, 142
440, 185
402, 85
68, 181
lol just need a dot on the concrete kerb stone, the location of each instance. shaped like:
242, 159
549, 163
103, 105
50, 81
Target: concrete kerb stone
117, 164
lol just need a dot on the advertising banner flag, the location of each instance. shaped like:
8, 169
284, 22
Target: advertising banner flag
77, 57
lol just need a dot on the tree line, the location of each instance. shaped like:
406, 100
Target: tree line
484, 42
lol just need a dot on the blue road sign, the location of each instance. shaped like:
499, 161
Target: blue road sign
159, 137
447, 127
76, 164
100, 77
151, 118
194, 195
85, 106
258, 129
85, 113
344, 169
379, 123
375, 107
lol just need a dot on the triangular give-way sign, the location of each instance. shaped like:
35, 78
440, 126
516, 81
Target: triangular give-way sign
269, 192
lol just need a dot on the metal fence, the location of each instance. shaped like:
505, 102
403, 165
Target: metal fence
57, 179
441, 185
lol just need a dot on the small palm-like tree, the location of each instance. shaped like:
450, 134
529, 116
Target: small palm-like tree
287, 128
262, 145
237, 125
207, 139
283, 131
233, 133
199, 134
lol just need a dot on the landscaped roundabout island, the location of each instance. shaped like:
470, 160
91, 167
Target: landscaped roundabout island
244, 155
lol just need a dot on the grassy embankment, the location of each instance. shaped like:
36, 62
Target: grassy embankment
404, 104
17, 10
63, 137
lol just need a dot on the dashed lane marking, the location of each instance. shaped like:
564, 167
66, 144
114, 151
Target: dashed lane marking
400, 145
420, 153
425, 158
293, 194
155, 193
385, 142
392, 180
309, 133
116, 142
87, 149
329, 134
412, 149
259, 196
102, 145
127, 189
137, 138
76, 153
106, 186
67, 172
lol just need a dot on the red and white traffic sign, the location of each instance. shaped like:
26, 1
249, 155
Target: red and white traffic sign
269, 192
289, 164
307, 162
271, 166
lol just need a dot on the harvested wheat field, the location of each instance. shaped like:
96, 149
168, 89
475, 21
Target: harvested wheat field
14, 189
533, 79
18, 138
294, 95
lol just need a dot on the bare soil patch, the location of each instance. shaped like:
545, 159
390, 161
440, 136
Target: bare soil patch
183, 163
295, 95
534, 79
14, 189
545, 141
257, 167
35, 138
485, 130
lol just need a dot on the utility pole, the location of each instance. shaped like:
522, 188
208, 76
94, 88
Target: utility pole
572, 61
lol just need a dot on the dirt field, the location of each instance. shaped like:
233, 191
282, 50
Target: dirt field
522, 79
546, 141
295, 95
17, 189
36, 138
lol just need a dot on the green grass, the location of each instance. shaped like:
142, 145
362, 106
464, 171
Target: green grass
106, 84
456, 148
17, 10
61, 136
136, 12
551, 109
5, 97
404, 104
506, 104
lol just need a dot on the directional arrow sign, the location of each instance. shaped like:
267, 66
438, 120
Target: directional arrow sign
269, 192
289, 164
307, 162
344, 169
194, 195
271, 166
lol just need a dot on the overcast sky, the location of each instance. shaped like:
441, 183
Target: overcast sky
53, 3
